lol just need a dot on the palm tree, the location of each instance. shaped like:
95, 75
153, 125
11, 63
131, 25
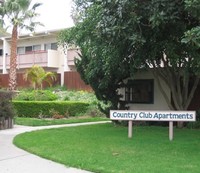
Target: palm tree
37, 75
20, 15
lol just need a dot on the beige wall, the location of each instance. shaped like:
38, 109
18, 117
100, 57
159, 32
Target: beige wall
159, 101
53, 58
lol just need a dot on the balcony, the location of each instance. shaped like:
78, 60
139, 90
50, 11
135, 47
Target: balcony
71, 55
48, 58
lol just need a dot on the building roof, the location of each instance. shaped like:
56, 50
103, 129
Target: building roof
3, 33
37, 34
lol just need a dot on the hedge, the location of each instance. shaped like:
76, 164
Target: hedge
35, 108
36, 95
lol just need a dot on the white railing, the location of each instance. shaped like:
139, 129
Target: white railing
27, 60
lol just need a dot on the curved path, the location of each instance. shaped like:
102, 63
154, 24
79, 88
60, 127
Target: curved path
15, 160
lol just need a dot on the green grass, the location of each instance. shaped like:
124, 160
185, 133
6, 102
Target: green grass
46, 122
105, 148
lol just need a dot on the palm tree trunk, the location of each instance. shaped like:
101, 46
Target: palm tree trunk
13, 60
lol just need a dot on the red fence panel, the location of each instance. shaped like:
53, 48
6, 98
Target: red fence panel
21, 83
73, 81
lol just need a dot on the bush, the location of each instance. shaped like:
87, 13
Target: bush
93, 111
56, 88
6, 105
36, 108
58, 117
6, 110
55, 114
66, 98
196, 124
39, 95
77, 96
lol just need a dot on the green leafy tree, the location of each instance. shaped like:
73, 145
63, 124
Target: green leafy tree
154, 31
37, 75
96, 65
192, 36
117, 37
20, 15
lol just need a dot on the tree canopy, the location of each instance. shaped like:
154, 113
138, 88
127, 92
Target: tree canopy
117, 37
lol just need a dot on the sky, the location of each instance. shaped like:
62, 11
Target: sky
54, 14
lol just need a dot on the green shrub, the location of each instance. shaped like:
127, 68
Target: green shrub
23, 95
66, 98
56, 88
36, 108
93, 111
6, 108
77, 96
196, 124
39, 95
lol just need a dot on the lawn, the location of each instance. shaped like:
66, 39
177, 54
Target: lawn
46, 122
105, 148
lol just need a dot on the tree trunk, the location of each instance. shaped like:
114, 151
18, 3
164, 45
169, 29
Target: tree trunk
181, 93
180, 124
13, 60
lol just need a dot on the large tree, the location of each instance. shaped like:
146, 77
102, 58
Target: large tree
154, 30
96, 65
128, 35
20, 14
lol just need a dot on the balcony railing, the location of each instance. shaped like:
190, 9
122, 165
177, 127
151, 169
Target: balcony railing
50, 58
42, 58
71, 55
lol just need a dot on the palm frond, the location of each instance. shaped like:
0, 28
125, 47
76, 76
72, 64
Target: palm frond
36, 5
24, 4
19, 13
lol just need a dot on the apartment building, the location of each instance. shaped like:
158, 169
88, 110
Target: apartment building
41, 49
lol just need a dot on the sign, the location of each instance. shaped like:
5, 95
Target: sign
145, 115
152, 115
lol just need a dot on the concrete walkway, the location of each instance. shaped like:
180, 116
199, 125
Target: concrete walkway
15, 160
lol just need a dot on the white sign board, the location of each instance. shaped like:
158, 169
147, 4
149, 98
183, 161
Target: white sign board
132, 115
144, 115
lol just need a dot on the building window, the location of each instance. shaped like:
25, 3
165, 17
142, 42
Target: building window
52, 46
36, 47
140, 91
1, 52
20, 50
28, 49
47, 46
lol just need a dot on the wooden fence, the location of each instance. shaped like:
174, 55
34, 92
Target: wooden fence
72, 81
21, 82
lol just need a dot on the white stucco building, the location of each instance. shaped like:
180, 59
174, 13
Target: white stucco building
41, 49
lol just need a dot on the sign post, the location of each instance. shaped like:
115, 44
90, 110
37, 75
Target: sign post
144, 115
130, 127
171, 130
